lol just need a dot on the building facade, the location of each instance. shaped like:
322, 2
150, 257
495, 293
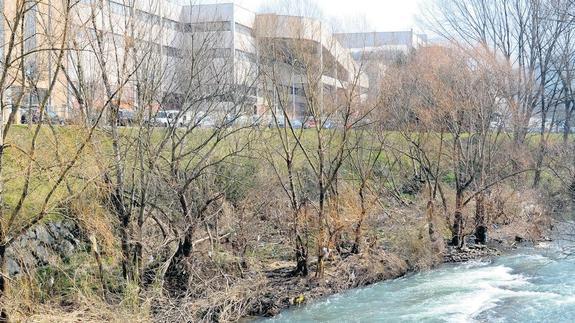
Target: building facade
377, 50
113, 38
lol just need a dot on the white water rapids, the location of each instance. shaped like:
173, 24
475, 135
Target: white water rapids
530, 285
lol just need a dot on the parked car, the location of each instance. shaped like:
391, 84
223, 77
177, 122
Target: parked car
365, 122
33, 116
276, 122
30, 116
326, 124
206, 122
166, 118
310, 123
126, 117
296, 124
243, 121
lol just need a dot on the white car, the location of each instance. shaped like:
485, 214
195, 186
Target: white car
206, 121
169, 118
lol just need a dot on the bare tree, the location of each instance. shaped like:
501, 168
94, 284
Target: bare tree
527, 34
310, 55
26, 48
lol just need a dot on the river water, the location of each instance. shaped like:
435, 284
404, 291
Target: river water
529, 285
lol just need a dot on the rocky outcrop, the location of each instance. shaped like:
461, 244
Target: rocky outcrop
284, 290
469, 252
42, 245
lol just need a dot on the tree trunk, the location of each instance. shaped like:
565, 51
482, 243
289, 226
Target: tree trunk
480, 225
457, 239
119, 208
178, 273
3, 313
357, 241
429, 216
356, 248
301, 258
567, 124
539, 161
301, 252
322, 250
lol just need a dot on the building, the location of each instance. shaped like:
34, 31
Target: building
27, 60
306, 58
390, 41
164, 37
380, 49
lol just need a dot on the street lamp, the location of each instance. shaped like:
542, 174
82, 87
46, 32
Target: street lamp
28, 73
294, 64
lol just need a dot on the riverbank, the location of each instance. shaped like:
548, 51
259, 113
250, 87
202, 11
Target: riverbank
285, 291
531, 283
267, 287
350, 271
354, 271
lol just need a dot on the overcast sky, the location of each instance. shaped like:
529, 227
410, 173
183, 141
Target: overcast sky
381, 15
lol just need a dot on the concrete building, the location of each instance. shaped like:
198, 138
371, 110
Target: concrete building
172, 32
305, 53
26, 55
391, 41
379, 49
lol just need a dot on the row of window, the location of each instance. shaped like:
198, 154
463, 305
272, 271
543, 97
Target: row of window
207, 26
171, 24
172, 51
288, 90
218, 26
117, 7
246, 56
244, 30
148, 17
30, 27
219, 52
1, 33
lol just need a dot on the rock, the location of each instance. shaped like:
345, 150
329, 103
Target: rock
42, 235
470, 239
42, 245
468, 252
481, 234
12, 267
66, 248
298, 300
42, 255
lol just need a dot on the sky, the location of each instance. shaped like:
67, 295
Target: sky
377, 15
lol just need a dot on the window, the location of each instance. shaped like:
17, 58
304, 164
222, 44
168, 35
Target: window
172, 51
299, 89
244, 30
208, 26
246, 56
147, 17
219, 52
2, 33
117, 8
171, 24
30, 28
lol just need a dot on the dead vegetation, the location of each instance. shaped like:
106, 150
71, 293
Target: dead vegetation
215, 218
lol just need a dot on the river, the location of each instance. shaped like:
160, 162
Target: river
529, 285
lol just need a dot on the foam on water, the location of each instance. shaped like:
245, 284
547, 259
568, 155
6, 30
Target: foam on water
481, 288
525, 287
